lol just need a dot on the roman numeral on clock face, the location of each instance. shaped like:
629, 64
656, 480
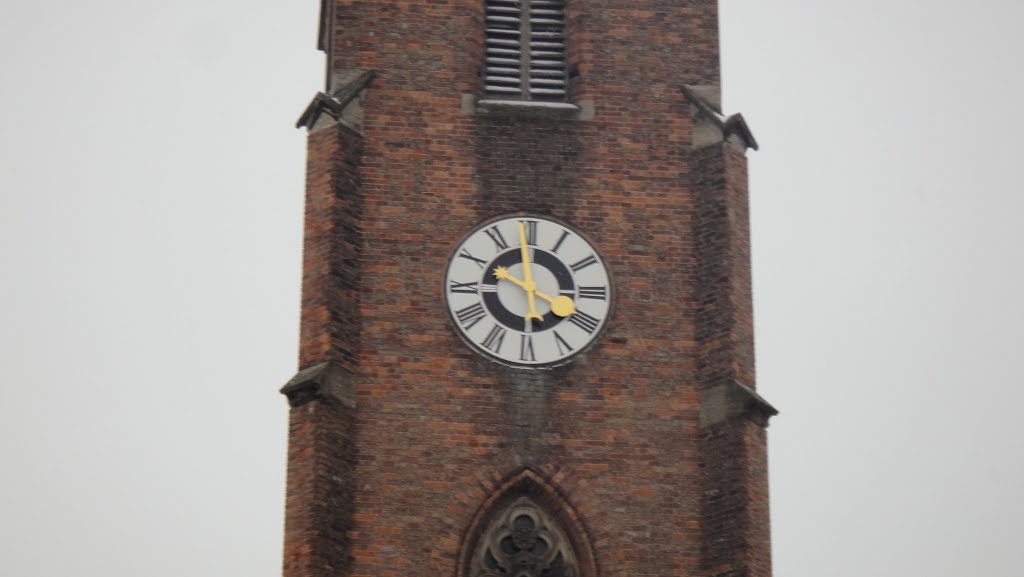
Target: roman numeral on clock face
584, 321
526, 348
531, 231
470, 288
471, 315
561, 239
494, 339
594, 292
563, 347
479, 261
495, 235
582, 264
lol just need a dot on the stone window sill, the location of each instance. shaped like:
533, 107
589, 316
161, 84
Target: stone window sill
557, 110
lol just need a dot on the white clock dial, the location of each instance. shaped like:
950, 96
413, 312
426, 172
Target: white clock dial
528, 291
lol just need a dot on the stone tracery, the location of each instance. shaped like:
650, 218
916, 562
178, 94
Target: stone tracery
523, 541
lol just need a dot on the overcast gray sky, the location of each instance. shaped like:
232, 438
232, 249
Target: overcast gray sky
150, 228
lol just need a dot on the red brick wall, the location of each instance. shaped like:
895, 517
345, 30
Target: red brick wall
736, 537
722, 232
395, 485
320, 499
332, 251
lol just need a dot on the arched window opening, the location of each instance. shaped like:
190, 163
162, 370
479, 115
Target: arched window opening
524, 541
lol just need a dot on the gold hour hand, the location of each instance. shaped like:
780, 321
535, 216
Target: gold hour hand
560, 305
529, 285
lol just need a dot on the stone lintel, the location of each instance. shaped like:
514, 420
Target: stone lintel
319, 381
733, 399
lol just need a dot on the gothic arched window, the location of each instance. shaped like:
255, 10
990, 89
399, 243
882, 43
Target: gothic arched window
523, 541
525, 50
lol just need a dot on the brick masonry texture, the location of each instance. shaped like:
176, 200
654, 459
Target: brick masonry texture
438, 438
332, 266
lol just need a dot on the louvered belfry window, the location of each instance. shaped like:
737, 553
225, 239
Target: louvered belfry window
526, 50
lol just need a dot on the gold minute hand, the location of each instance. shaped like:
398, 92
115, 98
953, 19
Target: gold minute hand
560, 305
529, 285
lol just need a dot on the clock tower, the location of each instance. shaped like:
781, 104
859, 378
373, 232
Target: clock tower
526, 332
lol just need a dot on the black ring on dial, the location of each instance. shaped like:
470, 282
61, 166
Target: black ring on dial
542, 258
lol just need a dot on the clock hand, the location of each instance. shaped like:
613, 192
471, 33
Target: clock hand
560, 305
529, 285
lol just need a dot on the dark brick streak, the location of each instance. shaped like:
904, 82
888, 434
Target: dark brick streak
332, 253
320, 501
723, 246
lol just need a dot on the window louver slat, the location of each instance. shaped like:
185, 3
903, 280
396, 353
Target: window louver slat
546, 34
525, 49
503, 80
546, 92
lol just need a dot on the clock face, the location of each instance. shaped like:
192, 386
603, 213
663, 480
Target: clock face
528, 291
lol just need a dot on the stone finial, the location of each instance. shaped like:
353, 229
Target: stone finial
319, 381
710, 125
733, 399
341, 104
